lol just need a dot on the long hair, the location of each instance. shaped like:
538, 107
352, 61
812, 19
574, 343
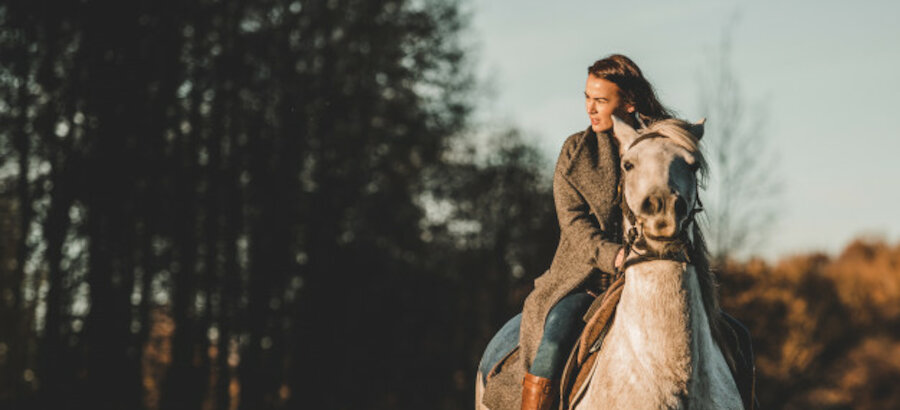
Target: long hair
633, 87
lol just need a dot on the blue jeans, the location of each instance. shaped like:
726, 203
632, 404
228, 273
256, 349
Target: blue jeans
501, 344
561, 328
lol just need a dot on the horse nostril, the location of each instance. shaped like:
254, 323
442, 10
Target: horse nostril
646, 207
651, 205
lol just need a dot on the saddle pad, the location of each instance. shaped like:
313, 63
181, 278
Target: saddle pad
598, 318
578, 367
573, 389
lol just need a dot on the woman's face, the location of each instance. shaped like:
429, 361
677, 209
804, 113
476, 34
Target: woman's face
601, 101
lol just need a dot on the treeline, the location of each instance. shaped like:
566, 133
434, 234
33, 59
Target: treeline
826, 330
252, 204
260, 204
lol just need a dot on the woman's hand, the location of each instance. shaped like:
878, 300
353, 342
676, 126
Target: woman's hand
620, 258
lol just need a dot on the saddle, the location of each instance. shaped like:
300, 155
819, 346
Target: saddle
599, 319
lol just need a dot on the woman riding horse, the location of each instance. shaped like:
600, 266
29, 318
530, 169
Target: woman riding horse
589, 250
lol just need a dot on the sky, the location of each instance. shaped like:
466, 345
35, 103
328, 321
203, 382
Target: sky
827, 73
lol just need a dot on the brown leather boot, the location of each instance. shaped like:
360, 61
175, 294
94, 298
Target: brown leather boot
537, 393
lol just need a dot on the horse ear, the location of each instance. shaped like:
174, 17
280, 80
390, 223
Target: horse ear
696, 129
623, 131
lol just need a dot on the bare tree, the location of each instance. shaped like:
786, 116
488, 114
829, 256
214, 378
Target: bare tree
743, 189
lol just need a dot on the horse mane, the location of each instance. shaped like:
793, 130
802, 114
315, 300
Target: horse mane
709, 292
678, 131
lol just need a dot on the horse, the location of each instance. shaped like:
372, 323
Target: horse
663, 346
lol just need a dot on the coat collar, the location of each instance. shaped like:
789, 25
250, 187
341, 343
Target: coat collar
594, 167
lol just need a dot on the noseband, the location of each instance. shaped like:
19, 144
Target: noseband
635, 234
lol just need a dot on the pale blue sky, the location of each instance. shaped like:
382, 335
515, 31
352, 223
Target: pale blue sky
826, 71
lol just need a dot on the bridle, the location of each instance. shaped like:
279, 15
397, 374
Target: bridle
635, 234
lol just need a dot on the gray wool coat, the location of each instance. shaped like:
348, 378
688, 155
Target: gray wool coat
585, 186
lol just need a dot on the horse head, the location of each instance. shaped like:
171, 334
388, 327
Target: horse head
661, 169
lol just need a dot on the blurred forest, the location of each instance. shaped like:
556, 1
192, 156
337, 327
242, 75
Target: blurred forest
261, 204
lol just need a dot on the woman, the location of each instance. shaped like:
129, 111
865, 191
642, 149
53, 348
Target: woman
589, 252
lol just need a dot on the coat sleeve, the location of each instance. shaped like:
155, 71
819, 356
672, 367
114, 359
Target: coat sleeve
575, 221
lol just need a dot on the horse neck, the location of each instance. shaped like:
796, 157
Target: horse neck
662, 310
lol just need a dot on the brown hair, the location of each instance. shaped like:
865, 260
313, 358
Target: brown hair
633, 87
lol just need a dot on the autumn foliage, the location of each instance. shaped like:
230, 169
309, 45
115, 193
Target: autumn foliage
825, 329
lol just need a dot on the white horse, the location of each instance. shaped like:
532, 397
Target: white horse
662, 349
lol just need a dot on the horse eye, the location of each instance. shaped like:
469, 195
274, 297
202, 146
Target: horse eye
627, 165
